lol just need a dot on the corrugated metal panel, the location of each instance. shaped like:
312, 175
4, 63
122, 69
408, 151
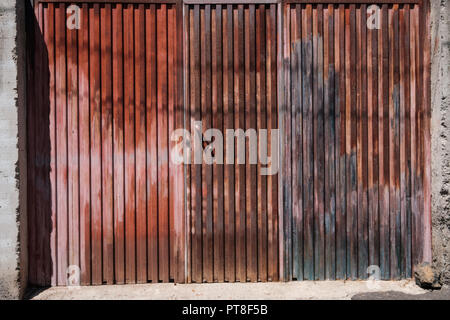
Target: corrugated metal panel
352, 105
103, 186
231, 83
355, 133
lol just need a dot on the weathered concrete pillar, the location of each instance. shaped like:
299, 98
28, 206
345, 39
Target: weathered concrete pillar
13, 231
440, 135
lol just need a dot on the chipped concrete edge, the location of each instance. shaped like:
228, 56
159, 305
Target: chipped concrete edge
440, 134
13, 220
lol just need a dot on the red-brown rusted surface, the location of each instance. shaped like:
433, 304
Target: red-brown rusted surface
352, 104
365, 194
105, 99
231, 83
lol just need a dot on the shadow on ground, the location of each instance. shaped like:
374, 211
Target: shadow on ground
33, 292
443, 294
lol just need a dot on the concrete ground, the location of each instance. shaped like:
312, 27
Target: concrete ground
442, 294
306, 290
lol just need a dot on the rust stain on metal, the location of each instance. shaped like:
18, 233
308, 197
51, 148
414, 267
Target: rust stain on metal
352, 103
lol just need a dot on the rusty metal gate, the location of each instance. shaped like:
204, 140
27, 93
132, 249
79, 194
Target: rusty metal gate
351, 104
111, 203
356, 145
231, 83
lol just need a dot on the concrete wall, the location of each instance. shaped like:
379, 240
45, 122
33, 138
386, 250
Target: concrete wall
13, 256
440, 135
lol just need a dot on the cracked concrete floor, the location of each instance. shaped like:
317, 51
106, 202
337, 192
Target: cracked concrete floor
305, 290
